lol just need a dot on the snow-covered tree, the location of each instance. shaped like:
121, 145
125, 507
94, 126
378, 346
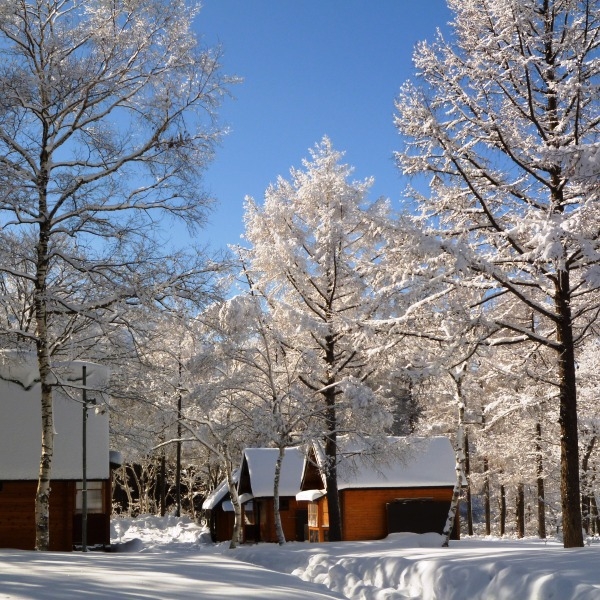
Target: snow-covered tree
106, 122
494, 121
270, 389
315, 245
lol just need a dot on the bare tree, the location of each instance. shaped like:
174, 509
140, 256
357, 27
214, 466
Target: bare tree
106, 122
499, 117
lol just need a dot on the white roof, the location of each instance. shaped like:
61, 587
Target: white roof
219, 493
410, 462
261, 466
21, 422
310, 495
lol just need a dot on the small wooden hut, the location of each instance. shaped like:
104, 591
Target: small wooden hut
20, 448
255, 489
408, 489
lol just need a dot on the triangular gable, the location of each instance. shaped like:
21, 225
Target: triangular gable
258, 472
220, 493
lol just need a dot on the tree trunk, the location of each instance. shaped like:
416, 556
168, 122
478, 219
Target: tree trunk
595, 516
468, 491
42, 497
329, 395
333, 500
486, 497
237, 510
586, 488
163, 485
569, 443
502, 510
520, 510
276, 513
541, 500
460, 467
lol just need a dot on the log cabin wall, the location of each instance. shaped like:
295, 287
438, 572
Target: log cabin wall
223, 523
17, 515
364, 510
288, 511
98, 523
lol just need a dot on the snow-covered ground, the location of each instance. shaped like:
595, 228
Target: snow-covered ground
173, 559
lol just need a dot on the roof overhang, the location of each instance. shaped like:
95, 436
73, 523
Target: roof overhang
310, 495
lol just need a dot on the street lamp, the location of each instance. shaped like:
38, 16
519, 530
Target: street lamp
84, 462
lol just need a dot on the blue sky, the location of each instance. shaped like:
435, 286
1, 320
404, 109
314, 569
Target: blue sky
310, 68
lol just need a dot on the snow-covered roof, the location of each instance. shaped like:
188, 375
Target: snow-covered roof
409, 462
21, 368
310, 495
20, 425
219, 493
261, 467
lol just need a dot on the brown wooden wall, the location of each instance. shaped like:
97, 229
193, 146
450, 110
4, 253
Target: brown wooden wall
266, 508
17, 516
98, 524
221, 524
364, 514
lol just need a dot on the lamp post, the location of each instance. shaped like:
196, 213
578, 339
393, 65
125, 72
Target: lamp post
84, 490
178, 456
84, 468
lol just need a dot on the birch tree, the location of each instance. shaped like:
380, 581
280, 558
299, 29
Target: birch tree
106, 121
496, 120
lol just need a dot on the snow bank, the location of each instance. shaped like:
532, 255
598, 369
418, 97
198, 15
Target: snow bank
412, 566
167, 533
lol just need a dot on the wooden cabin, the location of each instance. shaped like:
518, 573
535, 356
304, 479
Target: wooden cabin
219, 511
409, 491
20, 449
255, 490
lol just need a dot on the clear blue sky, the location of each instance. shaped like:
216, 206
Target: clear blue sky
310, 68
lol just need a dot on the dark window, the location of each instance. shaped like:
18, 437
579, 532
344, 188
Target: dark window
284, 504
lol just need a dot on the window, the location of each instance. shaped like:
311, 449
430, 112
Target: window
313, 515
95, 497
325, 513
284, 504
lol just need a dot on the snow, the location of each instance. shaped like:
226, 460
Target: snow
173, 558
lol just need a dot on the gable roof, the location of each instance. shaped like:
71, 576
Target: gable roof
21, 420
259, 466
409, 462
221, 492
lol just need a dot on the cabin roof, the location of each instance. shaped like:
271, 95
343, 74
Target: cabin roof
219, 493
20, 425
407, 462
260, 465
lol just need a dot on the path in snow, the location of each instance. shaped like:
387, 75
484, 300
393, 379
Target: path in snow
152, 576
